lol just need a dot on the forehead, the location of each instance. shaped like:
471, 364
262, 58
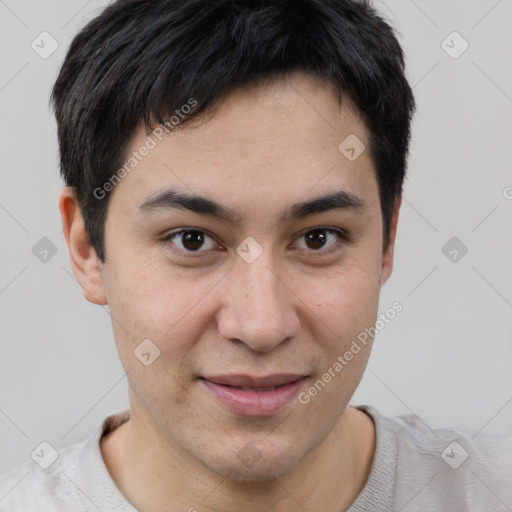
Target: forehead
269, 140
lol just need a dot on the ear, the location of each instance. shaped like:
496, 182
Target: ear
85, 263
387, 258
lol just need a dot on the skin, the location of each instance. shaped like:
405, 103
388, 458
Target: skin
291, 310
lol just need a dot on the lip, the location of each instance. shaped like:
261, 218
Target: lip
250, 381
257, 398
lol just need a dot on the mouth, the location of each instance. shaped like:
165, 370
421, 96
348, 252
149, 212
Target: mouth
254, 389
254, 396
255, 383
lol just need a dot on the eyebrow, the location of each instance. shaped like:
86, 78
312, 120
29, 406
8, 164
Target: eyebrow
169, 199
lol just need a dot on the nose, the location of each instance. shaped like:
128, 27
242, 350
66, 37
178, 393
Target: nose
257, 306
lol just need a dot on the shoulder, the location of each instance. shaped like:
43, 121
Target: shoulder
34, 487
72, 478
441, 467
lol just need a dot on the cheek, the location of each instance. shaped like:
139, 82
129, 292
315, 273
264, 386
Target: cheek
344, 310
154, 299
347, 301
154, 302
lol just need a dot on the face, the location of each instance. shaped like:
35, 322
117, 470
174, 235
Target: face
269, 295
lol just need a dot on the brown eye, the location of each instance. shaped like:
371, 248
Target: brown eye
190, 240
322, 238
316, 239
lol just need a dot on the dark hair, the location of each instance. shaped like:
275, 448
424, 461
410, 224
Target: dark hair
142, 60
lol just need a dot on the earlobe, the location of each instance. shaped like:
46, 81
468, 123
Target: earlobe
84, 261
387, 259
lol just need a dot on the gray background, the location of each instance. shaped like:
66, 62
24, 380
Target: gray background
446, 357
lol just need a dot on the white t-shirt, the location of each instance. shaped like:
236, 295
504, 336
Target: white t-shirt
415, 468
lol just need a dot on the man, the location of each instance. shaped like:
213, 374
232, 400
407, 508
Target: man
233, 175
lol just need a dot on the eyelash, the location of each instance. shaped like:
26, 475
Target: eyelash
341, 234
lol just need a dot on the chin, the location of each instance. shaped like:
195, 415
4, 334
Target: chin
252, 465
260, 472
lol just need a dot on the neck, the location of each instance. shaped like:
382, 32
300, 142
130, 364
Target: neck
156, 475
